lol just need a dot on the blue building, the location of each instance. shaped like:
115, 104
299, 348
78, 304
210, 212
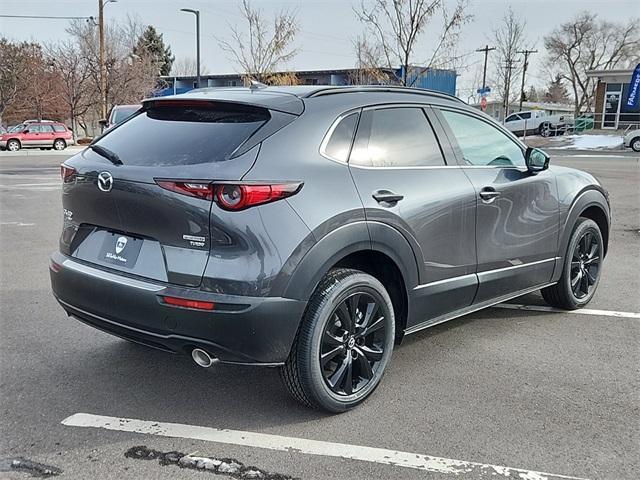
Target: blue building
433, 79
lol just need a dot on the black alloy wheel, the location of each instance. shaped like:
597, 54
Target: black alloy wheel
353, 344
585, 265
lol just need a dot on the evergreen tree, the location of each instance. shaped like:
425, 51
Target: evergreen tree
557, 92
151, 43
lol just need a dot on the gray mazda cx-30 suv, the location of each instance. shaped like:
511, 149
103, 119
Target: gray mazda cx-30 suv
311, 228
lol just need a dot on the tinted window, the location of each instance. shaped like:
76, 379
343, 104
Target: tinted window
120, 114
512, 118
338, 145
46, 128
396, 137
59, 128
525, 116
184, 135
481, 143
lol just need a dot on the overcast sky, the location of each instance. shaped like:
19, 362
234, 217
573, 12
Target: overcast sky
327, 26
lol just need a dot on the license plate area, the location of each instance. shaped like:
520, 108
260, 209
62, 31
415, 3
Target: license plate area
121, 250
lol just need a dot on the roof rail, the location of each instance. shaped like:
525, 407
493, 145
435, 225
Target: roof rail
381, 88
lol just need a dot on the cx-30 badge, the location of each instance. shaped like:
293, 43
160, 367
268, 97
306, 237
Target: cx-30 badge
105, 181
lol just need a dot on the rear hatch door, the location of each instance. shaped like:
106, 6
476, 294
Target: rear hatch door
116, 213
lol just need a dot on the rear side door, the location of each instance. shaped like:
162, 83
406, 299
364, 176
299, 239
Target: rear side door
404, 181
517, 212
46, 135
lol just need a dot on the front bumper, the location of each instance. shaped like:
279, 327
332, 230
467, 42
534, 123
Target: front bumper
246, 330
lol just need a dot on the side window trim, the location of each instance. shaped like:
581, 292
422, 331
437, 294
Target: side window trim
456, 147
363, 128
332, 128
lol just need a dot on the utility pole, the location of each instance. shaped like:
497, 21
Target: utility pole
103, 69
508, 67
197, 14
486, 51
526, 54
103, 76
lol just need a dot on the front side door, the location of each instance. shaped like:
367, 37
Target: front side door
31, 136
517, 223
403, 180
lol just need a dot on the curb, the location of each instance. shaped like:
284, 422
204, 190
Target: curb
37, 152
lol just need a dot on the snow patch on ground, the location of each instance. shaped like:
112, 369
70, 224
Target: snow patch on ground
590, 142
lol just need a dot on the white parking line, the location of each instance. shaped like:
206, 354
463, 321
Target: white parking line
581, 311
309, 447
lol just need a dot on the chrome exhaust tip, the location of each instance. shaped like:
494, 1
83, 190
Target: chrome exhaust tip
202, 358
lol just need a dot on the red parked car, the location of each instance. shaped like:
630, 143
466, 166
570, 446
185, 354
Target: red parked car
37, 134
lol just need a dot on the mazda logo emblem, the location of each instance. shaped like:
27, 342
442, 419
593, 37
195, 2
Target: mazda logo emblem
105, 181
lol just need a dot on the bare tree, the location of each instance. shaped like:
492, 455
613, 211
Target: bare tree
259, 50
130, 77
13, 71
509, 38
397, 26
586, 43
74, 76
369, 64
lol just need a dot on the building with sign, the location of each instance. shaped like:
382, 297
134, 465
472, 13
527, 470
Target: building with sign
612, 109
429, 78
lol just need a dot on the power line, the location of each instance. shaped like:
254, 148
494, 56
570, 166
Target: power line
45, 17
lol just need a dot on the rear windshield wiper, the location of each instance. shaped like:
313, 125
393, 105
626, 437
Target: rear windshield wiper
106, 153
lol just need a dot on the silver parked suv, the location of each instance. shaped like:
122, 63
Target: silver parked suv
312, 228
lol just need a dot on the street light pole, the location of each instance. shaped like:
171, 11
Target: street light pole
197, 14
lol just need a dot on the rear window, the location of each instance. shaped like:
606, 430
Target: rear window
59, 128
184, 135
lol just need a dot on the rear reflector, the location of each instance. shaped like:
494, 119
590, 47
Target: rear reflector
186, 303
231, 196
54, 266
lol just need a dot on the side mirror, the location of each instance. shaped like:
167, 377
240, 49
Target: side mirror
536, 160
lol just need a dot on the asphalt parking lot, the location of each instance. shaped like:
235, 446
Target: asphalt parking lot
502, 393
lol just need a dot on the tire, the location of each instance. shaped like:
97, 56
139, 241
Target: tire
59, 144
13, 145
545, 129
635, 144
582, 264
324, 332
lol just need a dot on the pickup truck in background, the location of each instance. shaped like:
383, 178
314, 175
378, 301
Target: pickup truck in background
537, 122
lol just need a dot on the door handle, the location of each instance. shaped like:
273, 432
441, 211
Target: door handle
489, 194
386, 196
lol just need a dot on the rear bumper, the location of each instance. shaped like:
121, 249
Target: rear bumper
246, 330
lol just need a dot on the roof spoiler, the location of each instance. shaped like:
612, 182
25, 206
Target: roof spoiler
262, 98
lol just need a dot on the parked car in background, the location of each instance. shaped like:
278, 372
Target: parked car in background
537, 122
44, 135
118, 114
312, 228
632, 140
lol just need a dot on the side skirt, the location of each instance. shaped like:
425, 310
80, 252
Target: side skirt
472, 308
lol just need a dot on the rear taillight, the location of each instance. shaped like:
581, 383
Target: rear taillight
198, 190
234, 196
67, 173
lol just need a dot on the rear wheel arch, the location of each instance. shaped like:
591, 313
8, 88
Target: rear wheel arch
392, 262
